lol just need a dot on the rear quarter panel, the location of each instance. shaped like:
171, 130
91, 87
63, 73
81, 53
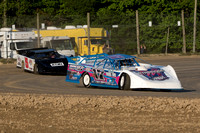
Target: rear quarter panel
28, 62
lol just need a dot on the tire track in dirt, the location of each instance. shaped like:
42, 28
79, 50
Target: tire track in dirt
15, 84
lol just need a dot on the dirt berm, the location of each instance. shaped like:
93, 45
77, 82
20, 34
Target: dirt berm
99, 114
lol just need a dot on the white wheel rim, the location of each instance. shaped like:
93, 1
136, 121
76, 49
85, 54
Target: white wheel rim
122, 81
86, 79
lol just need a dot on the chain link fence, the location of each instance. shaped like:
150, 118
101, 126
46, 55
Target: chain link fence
153, 29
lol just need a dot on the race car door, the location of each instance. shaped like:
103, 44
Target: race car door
104, 74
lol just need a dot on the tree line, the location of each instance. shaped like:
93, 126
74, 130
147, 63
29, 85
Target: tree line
105, 13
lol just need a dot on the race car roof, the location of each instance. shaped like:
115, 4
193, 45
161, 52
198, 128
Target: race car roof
94, 58
43, 50
120, 57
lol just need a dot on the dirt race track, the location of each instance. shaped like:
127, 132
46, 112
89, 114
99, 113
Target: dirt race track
24, 110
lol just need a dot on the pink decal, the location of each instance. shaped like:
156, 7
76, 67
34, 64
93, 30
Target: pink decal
117, 79
91, 75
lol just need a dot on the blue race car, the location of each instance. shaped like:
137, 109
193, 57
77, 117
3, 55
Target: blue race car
120, 71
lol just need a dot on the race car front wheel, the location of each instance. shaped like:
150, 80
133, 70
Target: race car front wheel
124, 82
86, 81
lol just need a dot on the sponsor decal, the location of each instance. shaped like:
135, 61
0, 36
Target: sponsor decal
154, 74
57, 64
30, 62
80, 68
19, 61
75, 67
111, 74
73, 75
72, 66
73, 78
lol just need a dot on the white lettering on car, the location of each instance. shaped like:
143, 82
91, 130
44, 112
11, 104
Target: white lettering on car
57, 64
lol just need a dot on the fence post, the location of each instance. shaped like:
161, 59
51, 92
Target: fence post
38, 29
183, 27
167, 41
137, 31
88, 28
194, 35
4, 14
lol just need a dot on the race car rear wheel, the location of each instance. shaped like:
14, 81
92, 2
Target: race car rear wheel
86, 81
36, 70
22, 67
124, 82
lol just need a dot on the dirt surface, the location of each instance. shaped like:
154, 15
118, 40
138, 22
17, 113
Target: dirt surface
23, 110
89, 114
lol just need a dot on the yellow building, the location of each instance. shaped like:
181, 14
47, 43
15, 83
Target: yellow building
98, 38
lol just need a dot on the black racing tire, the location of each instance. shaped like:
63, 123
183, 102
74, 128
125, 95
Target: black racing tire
86, 80
22, 67
36, 69
124, 82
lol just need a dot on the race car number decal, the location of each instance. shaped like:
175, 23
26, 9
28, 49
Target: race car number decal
57, 64
26, 62
99, 75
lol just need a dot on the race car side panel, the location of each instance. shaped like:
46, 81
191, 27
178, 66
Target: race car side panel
74, 73
105, 78
99, 77
27, 62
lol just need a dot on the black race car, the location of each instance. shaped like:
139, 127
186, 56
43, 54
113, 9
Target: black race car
42, 60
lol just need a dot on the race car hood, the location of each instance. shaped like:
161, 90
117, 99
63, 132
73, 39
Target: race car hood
155, 78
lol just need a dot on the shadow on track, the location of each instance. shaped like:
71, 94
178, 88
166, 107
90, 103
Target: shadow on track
143, 89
